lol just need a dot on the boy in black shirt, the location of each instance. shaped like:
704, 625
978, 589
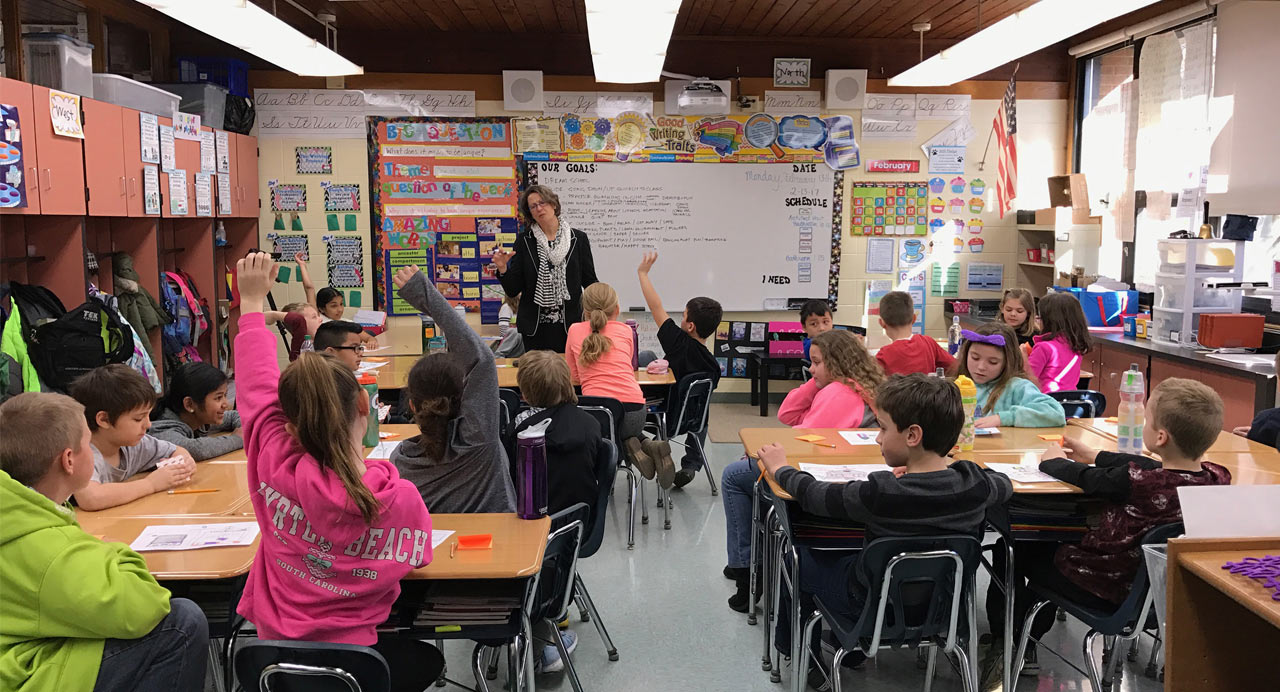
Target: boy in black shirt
686, 353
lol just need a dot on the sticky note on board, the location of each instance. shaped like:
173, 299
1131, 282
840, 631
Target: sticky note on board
295, 223
282, 275
331, 221
297, 274
810, 438
278, 224
349, 222
354, 299
1051, 438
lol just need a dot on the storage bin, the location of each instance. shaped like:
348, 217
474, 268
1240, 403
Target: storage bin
209, 101
126, 92
1163, 324
59, 62
1209, 255
1104, 308
228, 72
1169, 295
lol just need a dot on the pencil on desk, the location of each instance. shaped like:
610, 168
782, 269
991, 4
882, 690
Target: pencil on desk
823, 444
192, 491
453, 549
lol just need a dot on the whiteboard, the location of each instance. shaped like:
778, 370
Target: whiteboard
740, 233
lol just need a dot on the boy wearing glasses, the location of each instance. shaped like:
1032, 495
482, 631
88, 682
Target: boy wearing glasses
342, 340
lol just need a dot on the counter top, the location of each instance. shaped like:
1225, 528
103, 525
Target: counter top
1261, 373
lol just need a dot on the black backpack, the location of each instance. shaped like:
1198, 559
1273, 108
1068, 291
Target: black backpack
37, 305
86, 337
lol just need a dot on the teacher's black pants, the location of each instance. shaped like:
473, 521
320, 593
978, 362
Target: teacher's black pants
547, 336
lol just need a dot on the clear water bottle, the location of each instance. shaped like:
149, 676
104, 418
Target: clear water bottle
953, 336
531, 471
1130, 418
635, 344
307, 345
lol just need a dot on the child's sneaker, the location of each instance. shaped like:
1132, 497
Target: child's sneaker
638, 456
550, 661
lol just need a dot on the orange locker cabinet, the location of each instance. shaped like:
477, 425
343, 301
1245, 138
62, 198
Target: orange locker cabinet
60, 161
104, 156
15, 93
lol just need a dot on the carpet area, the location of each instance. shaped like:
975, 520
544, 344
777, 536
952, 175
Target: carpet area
726, 419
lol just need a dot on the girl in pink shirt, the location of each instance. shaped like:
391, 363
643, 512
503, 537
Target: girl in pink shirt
600, 351
339, 531
844, 375
1055, 358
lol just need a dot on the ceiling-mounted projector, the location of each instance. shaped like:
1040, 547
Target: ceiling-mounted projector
702, 97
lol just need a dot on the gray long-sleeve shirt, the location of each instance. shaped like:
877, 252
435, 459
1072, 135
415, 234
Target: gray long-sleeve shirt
473, 476
171, 428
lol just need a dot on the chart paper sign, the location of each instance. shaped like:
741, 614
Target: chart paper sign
186, 126
536, 134
789, 102
345, 261
204, 194
984, 277
224, 194
341, 197
340, 114
208, 156
168, 155
290, 246
314, 160
151, 190
289, 198
946, 159
222, 146
178, 192
64, 110
149, 129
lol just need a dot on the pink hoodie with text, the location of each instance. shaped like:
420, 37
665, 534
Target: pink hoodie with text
836, 405
1055, 366
320, 573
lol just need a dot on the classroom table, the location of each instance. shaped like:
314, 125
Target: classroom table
517, 549
226, 474
758, 363
395, 374
202, 563
1226, 442
508, 372
1223, 629
1008, 439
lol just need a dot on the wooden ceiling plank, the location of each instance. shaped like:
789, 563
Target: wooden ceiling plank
751, 20
770, 21
476, 21
566, 20
429, 18
850, 20
717, 15
540, 16
936, 14
698, 16
965, 24
401, 17
874, 27
792, 17
511, 15
821, 13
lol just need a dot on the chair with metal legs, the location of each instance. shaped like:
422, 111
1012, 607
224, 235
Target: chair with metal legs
915, 591
608, 412
606, 470
693, 406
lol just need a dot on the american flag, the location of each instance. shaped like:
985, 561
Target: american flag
1006, 127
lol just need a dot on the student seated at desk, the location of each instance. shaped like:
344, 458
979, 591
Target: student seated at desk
685, 348
1007, 396
1058, 351
117, 404
195, 406
815, 319
339, 531
329, 303
1183, 418
1265, 428
79, 614
1018, 310
923, 492
301, 320
908, 352
341, 339
599, 351
845, 378
458, 461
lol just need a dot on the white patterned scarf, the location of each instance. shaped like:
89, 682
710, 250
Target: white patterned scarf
552, 289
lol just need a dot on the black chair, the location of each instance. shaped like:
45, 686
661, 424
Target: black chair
692, 403
511, 405
558, 578
1081, 403
606, 471
1124, 624
917, 591
297, 666
608, 412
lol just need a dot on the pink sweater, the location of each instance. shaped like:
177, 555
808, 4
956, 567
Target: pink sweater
320, 573
612, 375
836, 405
1055, 366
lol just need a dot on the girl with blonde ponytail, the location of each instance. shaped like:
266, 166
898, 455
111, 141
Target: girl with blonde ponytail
600, 350
338, 531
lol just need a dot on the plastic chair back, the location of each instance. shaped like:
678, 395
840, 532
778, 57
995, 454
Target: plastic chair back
511, 404
606, 470
559, 564
693, 402
607, 411
297, 666
1081, 403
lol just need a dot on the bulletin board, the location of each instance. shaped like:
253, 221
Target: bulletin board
441, 180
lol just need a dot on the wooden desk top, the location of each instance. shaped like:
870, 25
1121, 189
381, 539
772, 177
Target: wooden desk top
1243, 590
1008, 439
395, 374
1226, 442
517, 549
228, 476
203, 563
508, 372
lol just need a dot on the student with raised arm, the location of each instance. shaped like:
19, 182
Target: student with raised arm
686, 351
339, 531
328, 302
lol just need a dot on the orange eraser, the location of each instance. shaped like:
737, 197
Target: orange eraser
479, 541
1051, 438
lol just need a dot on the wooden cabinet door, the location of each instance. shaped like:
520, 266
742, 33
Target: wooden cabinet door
131, 143
1237, 392
104, 158
61, 162
15, 93
247, 149
234, 176
165, 204
1112, 362
188, 152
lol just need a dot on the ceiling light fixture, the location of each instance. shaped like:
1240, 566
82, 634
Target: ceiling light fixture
1019, 34
254, 30
629, 39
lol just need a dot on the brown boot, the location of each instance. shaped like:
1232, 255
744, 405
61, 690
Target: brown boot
660, 452
638, 457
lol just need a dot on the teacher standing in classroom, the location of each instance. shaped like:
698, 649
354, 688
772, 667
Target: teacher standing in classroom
550, 265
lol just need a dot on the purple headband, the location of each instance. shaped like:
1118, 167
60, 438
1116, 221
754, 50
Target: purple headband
990, 339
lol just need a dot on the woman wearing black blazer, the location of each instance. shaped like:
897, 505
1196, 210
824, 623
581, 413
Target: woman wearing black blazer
550, 265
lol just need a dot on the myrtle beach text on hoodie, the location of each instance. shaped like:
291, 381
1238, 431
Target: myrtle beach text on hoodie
389, 543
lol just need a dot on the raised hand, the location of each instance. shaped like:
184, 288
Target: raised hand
403, 274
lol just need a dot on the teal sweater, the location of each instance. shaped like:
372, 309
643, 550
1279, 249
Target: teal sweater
1022, 405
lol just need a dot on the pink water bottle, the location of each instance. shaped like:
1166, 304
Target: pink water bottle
635, 344
531, 471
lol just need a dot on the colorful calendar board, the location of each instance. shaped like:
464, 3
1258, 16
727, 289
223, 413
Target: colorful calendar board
888, 209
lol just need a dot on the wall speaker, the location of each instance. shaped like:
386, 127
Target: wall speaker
522, 90
846, 89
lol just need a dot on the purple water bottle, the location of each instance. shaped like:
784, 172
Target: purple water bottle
531, 471
635, 344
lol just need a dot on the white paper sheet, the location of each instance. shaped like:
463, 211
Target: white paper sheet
383, 450
859, 437
986, 431
841, 474
193, 536
1230, 511
370, 366
438, 536
376, 318
1022, 473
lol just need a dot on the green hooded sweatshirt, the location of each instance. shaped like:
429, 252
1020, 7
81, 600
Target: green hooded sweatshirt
62, 592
